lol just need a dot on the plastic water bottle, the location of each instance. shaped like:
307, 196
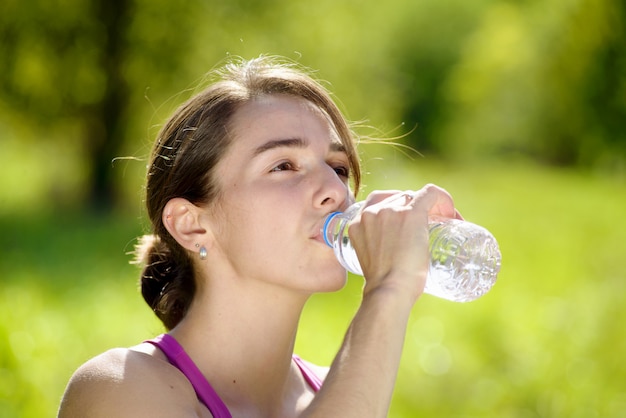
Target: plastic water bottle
464, 257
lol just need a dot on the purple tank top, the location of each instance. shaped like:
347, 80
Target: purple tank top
205, 392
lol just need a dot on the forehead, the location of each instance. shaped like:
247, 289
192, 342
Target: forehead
277, 117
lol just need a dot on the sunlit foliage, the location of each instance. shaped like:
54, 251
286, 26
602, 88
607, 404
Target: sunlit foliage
478, 86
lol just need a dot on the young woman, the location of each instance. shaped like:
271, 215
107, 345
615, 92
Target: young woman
240, 181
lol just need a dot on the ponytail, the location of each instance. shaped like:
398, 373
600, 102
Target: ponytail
165, 280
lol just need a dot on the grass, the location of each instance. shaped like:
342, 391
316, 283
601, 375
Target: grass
545, 342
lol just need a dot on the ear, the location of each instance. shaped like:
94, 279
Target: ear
182, 220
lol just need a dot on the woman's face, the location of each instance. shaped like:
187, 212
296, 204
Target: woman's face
283, 173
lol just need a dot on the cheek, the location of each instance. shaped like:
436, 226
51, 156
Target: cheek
254, 249
258, 226
247, 234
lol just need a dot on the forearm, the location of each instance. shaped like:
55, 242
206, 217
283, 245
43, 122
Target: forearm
361, 380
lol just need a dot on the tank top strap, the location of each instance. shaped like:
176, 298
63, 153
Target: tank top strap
312, 379
205, 392
179, 358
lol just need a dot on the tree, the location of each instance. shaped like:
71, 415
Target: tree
72, 69
64, 65
541, 80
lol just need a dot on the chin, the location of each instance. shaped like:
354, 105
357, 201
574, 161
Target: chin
332, 281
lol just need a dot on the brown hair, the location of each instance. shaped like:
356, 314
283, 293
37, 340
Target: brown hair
186, 153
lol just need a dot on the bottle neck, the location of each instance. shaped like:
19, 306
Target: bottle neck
329, 227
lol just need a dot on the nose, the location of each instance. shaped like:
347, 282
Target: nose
332, 193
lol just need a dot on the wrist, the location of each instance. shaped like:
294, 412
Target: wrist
399, 290
391, 300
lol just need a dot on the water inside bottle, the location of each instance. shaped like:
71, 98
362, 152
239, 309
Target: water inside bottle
347, 256
464, 261
464, 257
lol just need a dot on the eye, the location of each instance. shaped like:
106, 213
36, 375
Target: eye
342, 171
284, 166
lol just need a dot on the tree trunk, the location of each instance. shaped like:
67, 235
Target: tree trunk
103, 121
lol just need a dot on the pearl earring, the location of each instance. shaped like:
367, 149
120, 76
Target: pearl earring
203, 253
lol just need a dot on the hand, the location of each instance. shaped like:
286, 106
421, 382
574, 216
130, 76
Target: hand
391, 237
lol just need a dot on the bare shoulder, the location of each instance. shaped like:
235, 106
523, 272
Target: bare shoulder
126, 382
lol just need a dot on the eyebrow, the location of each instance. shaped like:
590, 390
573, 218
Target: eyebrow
292, 143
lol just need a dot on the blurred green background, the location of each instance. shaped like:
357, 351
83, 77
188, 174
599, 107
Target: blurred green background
517, 108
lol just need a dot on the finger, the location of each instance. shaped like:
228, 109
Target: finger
378, 196
435, 201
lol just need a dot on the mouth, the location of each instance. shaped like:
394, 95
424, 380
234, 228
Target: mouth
318, 237
317, 234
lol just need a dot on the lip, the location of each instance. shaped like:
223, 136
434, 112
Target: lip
319, 239
317, 234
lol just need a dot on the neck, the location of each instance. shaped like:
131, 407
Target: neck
242, 339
